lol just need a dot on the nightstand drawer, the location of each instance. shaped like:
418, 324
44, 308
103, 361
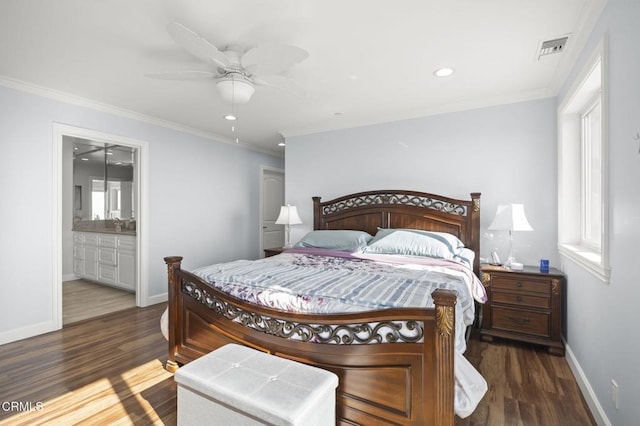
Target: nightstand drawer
521, 284
522, 300
521, 321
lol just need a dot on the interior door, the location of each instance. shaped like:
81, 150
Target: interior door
272, 200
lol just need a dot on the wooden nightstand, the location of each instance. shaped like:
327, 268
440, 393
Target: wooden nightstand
272, 251
524, 305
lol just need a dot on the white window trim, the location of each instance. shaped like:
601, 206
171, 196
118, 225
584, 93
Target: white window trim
594, 261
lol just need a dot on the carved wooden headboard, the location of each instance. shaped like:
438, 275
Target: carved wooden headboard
368, 211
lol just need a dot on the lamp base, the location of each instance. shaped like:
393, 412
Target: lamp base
515, 266
287, 237
512, 264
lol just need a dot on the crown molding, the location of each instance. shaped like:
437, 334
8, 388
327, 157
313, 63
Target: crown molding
449, 108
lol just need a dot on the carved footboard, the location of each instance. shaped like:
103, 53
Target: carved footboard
395, 366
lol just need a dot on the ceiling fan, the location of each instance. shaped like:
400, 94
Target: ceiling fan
237, 71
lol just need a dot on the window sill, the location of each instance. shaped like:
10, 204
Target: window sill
587, 259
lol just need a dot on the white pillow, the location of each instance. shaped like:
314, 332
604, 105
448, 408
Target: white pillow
344, 240
415, 242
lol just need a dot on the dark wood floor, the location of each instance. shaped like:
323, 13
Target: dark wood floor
527, 386
108, 370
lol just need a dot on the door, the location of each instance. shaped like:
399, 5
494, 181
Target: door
272, 200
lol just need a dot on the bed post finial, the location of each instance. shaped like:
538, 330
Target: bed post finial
173, 264
170, 260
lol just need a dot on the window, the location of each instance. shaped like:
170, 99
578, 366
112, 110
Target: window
591, 191
106, 201
582, 170
97, 199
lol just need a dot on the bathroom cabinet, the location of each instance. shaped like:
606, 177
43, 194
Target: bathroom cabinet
107, 258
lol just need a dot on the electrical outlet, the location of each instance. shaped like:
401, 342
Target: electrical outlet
614, 393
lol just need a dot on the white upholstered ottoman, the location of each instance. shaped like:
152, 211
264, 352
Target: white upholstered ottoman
235, 385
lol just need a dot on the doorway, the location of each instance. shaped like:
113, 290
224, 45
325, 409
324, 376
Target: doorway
94, 202
98, 271
271, 199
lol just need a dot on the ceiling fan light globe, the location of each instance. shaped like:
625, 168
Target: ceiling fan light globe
234, 90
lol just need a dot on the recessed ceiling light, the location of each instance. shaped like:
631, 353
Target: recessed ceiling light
230, 117
281, 144
84, 159
443, 72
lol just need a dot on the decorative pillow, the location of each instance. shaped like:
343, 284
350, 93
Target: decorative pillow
414, 242
344, 240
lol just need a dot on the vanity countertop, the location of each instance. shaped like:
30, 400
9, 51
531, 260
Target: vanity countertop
106, 231
104, 227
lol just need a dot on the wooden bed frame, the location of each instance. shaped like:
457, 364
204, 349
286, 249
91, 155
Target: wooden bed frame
393, 381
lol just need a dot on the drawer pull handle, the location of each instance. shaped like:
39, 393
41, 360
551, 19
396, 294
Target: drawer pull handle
520, 321
519, 299
519, 284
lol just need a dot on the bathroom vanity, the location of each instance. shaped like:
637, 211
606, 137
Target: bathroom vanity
105, 257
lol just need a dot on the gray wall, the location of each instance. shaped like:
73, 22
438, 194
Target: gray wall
602, 334
508, 153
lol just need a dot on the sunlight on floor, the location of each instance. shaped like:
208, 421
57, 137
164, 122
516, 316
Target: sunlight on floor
117, 397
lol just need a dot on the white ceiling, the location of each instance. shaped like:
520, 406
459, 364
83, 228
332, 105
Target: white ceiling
370, 61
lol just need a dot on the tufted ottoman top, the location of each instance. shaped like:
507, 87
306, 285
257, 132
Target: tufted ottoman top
273, 389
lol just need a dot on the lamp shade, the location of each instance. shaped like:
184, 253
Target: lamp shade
510, 217
288, 216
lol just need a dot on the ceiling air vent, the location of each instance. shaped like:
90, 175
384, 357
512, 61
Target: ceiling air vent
554, 46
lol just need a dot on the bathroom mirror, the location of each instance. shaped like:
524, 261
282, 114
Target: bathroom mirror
103, 181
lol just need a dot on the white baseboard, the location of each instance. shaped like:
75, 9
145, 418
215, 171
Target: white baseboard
154, 300
26, 332
69, 277
587, 391
48, 326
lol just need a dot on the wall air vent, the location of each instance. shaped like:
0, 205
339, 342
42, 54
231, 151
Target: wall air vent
551, 47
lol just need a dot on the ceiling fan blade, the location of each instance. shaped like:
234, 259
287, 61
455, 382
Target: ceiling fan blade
281, 83
272, 58
196, 45
181, 75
